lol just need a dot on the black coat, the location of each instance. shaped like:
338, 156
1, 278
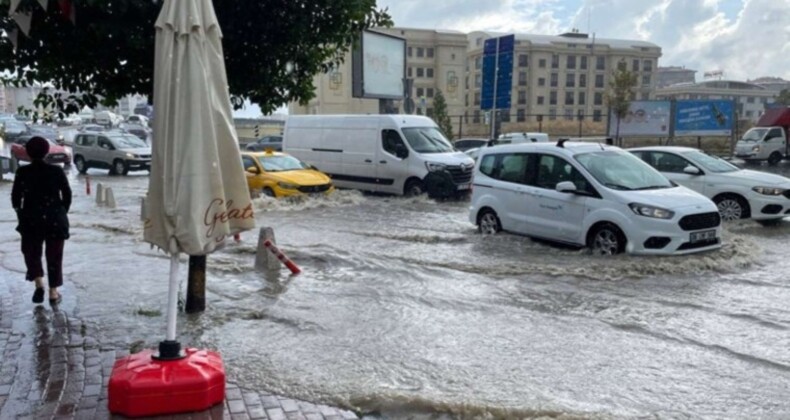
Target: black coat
41, 197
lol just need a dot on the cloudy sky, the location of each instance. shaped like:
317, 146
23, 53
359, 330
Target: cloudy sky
744, 38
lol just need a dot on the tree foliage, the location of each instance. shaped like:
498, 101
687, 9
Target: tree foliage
620, 92
783, 97
273, 48
440, 115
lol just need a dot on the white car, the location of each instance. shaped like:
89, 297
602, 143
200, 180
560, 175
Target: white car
738, 193
589, 195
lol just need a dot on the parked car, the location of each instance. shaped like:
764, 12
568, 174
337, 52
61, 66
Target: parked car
47, 132
280, 175
738, 193
13, 128
462, 145
589, 195
116, 151
57, 153
138, 120
267, 142
92, 127
107, 118
142, 132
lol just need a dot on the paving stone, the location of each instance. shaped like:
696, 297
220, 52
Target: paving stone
270, 402
236, 406
289, 406
92, 390
241, 416
5, 390
233, 393
275, 414
257, 412
295, 415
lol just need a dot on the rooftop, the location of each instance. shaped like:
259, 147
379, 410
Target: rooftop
571, 38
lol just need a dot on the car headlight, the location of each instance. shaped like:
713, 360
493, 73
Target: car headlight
287, 186
435, 167
756, 149
651, 211
131, 155
768, 190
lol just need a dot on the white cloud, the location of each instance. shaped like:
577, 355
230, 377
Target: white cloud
744, 38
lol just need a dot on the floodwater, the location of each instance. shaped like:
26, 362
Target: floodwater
404, 310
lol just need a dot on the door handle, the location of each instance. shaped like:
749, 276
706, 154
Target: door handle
368, 161
383, 161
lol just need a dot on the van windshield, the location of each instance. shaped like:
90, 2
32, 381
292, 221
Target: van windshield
755, 134
427, 140
621, 170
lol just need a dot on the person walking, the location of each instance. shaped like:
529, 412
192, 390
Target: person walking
41, 197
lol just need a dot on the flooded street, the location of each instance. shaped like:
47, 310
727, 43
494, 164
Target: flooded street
404, 308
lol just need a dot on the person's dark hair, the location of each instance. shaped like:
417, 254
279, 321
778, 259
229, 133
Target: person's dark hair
37, 148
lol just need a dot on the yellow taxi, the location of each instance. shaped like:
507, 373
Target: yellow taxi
280, 175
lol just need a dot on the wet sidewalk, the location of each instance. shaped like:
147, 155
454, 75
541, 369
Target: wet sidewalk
52, 369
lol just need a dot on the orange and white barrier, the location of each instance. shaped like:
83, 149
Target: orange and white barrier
282, 257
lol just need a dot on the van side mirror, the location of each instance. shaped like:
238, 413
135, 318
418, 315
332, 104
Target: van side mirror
566, 187
401, 151
691, 170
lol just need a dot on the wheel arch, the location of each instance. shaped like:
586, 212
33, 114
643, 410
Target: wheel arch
747, 207
589, 235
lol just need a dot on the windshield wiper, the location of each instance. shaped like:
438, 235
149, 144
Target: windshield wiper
617, 186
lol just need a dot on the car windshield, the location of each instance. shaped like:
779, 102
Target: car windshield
43, 131
755, 134
281, 163
128, 142
14, 125
709, 162
427, 140
621, 170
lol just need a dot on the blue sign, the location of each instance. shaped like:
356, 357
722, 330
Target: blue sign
497, 52
704, 118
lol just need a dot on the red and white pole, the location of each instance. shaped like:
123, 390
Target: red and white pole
282, 257
237, 237
87, 184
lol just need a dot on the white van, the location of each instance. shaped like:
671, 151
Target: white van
589, 195
384, 153
517, 137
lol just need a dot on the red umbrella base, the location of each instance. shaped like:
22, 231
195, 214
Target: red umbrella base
142, 386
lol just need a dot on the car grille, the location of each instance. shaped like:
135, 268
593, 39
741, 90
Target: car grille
315, 188
700, 221
461, 174
144, 156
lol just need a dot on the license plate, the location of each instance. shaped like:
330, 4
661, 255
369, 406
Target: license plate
704, 235
464, 187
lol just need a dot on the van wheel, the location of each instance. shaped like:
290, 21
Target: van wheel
488, 222
269, 192
606, 239
413, 188
731, 207
119, 167
775, 158
79, 162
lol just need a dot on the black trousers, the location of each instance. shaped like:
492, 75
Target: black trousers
33, 247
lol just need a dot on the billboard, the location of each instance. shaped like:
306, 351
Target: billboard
644, 118
497, 72
379, 66
704, 118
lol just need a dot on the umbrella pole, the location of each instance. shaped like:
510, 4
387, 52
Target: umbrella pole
170, 349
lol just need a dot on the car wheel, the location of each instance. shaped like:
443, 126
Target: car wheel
488, 222
413, 188
269, 192
775, 158
731, 207
82, 167
119, 167
606, 239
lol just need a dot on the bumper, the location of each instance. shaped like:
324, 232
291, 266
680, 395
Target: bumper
748, 156
138, 163
280, 192
767, 207
678, 241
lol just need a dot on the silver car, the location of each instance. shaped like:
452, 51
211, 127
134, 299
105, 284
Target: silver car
119, 152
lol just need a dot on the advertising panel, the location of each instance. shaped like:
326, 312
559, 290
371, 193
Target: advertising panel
704, 118
644, 118
378, 66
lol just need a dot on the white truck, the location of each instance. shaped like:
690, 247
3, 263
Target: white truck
768, 140
395, 154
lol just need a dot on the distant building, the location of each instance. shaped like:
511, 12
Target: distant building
3, 104
750, 99
128, 103
776, 84
672, 75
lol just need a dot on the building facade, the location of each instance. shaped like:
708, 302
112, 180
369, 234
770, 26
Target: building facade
750, 99
561, 76
673, 75
776, 84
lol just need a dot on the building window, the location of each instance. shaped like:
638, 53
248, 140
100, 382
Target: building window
420, 72
597, 115
521, 115
570, 62
429, 72
552, 114
429, 112
599, 80
522, 78
420, 92
749, 114
582, 80
522, 60
522, 97
478, 80
541, 81
410, 51
477, 98
600, 63
568, 114
648, 65
429, 92
540, 100
646, 80
553, 97
466, 101
409, 72
582, 98
570, 80
750, 100
645, 96
568, 98
635, 65
555, 61
430, 52
621, 65
420, 52
478, 42
554, 78
583, 62
598, 100
478, 62
542, 63
476, 117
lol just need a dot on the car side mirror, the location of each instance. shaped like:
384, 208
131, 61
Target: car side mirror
566, 187
253, 170
691, 170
